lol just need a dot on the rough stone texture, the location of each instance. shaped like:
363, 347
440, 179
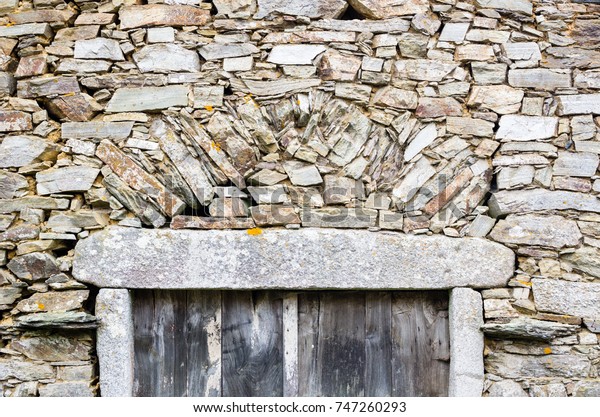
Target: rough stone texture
115, 342
509, 365
414, 263
506, 388
506, 202
525, 328
466, 343
166, 58
161, 14
68, 179
530, 229
147, 98
574, 298
18, 151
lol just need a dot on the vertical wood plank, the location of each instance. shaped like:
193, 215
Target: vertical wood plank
378, 344
252, 344
203, 336
145, 371
418, 323
332, 345
290, 345
164, 342
309, 377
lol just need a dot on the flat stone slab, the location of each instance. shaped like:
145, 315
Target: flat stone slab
120, 257
563, 297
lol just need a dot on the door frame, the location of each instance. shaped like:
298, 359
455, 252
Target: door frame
410, 263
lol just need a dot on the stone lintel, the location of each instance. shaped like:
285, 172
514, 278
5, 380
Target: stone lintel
308, 258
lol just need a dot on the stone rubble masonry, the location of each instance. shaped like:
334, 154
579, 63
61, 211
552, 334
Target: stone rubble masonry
449, 144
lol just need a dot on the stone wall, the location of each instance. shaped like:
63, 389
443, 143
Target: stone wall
475, 118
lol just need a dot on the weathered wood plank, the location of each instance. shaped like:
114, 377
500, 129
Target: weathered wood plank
309, 379
252, 344
420, 325
290, 345
203, 336
145, 373
333, 351
378, 344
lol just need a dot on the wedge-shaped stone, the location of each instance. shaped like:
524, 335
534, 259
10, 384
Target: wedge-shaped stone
162, 15
579, 104
252, 118
193, 130
18, 151
395, 25
531, 229
421, 140
518, 127
416, 177
326, 9
509, 365
14, 121
228, 140
563, 297
523, 201
498, 98
135, 201
138, 179
16, 31
382, 9
159, 258
68, 179
98, 48
147, 98
166, 58
539, 78
571, 57
295, 54
529, 329
214, 51
521, 6
576, 164
190, 168
97, 130
47, 86
468, 126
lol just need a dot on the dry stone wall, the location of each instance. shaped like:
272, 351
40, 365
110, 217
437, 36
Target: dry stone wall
464, 118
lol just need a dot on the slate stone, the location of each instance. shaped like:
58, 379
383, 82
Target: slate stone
15, 121
529, 329
53, 348
34, 266
326, 9
530, 229
402, 261
12, 185
294, 54
68, 179
19, 151
147, 98
576, 164
525, 128
24, 371
509, 365
47, 86
382, 9
564, 297
136, 16
166, 58
98, 48
578, 104
521, 201
97, 130
55, 301
66, 389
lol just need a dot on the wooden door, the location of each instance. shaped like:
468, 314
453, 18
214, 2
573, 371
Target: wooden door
273, 343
